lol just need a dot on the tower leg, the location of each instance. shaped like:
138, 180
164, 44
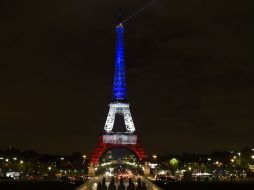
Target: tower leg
110, 119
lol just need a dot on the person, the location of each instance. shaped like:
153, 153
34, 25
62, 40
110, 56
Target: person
139, 187
131, 185
103, 184
112, 185
121, 185
144, 186
99, 186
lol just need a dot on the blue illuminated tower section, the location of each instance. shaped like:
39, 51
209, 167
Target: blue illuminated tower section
119, 87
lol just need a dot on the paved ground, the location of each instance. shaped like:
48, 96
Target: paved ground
92, 184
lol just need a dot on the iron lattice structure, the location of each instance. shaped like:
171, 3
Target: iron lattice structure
122, 109
103, 147
118, 106
119, 87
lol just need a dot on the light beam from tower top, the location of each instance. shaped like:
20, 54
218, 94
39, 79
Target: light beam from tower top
119, 86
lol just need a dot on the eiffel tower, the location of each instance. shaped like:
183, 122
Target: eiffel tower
119, 130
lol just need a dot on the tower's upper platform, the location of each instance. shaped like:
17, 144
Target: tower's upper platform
119, 86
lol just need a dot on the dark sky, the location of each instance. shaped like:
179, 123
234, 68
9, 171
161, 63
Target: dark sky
189, 73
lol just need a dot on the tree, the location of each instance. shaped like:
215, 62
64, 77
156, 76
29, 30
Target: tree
173, 164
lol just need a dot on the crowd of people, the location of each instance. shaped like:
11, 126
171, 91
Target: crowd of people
131, 186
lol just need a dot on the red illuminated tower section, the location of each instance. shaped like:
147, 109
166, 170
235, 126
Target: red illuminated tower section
119, 110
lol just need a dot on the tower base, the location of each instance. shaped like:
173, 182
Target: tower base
102, 147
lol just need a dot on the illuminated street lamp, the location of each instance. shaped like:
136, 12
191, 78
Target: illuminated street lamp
49, 168
232, 160
154, 157
21, 162
252, 156
239, 153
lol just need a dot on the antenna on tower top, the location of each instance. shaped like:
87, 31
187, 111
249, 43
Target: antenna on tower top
120, 16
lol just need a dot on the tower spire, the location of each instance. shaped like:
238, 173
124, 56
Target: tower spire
119, 86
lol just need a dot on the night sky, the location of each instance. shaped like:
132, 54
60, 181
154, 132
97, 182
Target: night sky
189, 73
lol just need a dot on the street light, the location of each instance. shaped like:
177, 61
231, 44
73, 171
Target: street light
154, 157
252, 156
